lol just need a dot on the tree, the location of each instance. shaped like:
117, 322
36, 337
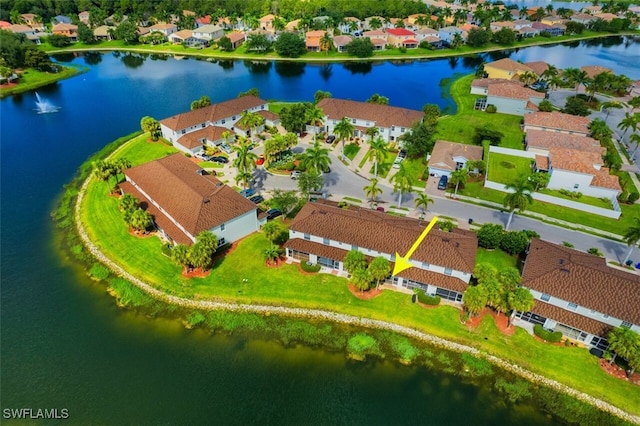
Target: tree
290, 45
85, 35
474, 299
375, 23
360, 47
418, 141
379, 269
459, 177
245, 160
505, 36
361, 279
372, 132
180, 255
372, 191
127, 32
58, 40
292, 117
34, 58
457, 40
272, 231
545, 106
624, 342
519, 199
378, 152
200, 103
326, 42
354, 260
528, 78
576, 106
487, 132
344, 130
378, 99
254, 91
632, 237
285, 201
514, 242
127, 202
598, 129
422, 202
316, 158
520, 300
199, 256
540, 180
575, 27
252, 120
309, 182
140, 220
152, 126
224, 43
272, 253
208, 240
103, 170
478, 37
402, 182
320, 95
431, 113
259, 43
315, 117
490, 235
629, 122
576, 77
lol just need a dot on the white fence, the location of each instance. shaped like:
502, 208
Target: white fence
560, 201
514, 152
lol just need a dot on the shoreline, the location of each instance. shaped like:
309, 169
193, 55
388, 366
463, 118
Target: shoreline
327, 316
433, 54
71, 71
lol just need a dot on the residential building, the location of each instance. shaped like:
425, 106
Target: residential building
84, 17
448, 34
103, 32
392, 122
578, 294
541, 141
498, 25
539, 67
350, 25
166, 29
21, 29
521, 24
4, 25
593, 70
505, 68
29, 18
557, 122
236, 39
67, 30
401, 37
480, 86
184, 201
324, 233
208, 33
341, 41
60, 19
203, 20
581, 171
447, 157
423, 33
224, 114
552, 20
512, 98
583, 18
313, 40
553, 30
187, 38
292, 26
266, 22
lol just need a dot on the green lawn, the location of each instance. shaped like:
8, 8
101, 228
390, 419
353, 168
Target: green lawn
142, 150
593, 201
416, 168
351, 150
32, 79
385, 166
497, 258
508, 169
461, 126
364, 160
276, 106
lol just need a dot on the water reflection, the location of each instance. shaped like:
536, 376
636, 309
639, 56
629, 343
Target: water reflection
92, 58
258, 67
131, 60
290, 69
226, 64
326, 71
363, 68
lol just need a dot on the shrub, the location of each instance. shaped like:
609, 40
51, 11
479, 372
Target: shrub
567, 244
514, 242
426, 45
491, 109
633, 197
309, 267
403, 49
99, 271
361, 345
194, 318
530, 234
446, 225
490, 235
595, 251
166, 249
514, 391
546, 335
426, 299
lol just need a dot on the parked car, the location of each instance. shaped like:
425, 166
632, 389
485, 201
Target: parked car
256, 199
399, 159
380, 209
248, 192
226, 148
273, 213
295, 174
260, 160
326, 170
220, 159
442, 183
201, 156
330, 139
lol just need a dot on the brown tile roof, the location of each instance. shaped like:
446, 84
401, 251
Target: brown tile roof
538, 66
427, 31
605, 180
268, 115
162, 26
64, 27
486, 82
593, 70
213, 112
584, 162
544, 140
444, 151
235, 37
508, 65
161, 220
374, 33
19, 28
382, 115
342, 40
183, 34
571, 319
318, 249
583, 279
197, 202
542, 162
387, 234
512, 90
531, 106
559, 121
378, 41
210, 133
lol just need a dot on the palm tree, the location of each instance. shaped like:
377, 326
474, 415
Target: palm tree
598, 129
316, 158
628, 122
251, 120
378, 152
325, 42
344, 129
519, 199
520, 300
226, 135
245, 161
549, 73
528, 78
372, 191
460, 176
272, 253
609, 105
474, 299
375, 23
576, 77
624, 342
422, 202
631, 237
401, 182
244, 178
315, 117
372, 132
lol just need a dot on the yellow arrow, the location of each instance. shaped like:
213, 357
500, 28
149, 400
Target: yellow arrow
402, 262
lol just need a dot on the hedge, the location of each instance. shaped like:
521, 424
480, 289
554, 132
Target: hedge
309, 267
426, 299
548, 336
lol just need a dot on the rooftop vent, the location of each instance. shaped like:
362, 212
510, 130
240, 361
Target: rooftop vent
201, 172
206, 200
565, 270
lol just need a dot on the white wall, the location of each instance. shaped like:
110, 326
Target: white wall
238, 228
506, 105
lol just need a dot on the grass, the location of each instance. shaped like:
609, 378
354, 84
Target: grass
355, 200
141, 150
32, 79
276, 106
416, 167
507, 169
585, 199
385, 166
210, 165
364, 160
461, 126
497, 258
351, 150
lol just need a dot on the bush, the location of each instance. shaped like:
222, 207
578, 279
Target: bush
446, 225
595, 251
547, 336
309, 267
402, 49
491, 109
633, 197
166, 249
514, 242
99, 271
490, 235
426, 45
426, 299
531, 234
567, 244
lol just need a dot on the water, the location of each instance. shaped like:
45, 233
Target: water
43, 106
66, 345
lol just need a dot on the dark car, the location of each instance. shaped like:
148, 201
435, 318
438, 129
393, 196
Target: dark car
330, 139
220, 159
326, 170
247, 192
442, 183
273, 213
256, 199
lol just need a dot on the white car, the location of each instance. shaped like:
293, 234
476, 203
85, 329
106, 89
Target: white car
226, 148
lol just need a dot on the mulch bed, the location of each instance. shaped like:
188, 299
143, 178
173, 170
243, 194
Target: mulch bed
274, 264
195, 272
135, 233
367, 295
501, 321
618, 372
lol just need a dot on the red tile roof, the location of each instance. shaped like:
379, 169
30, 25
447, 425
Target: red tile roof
538, 66
512, 90
342, 40
387, 234
197, 202
382, 115
508, 65
571, 319
400, 32
210, 133
558, 120
444, 152
378, 41
583, 279
268, 115
542, 162
212, 113
235, 37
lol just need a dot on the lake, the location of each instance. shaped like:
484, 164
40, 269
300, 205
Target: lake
65, 344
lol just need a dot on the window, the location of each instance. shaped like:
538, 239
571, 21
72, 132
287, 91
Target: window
368, 123
448, 271
402, 129
353, 120
545, 297
393, 128
261, 106
233, 118
354, 247
203, 125
224, 121
625, 324
183, 131
307, 236
425, 265
605, 316
221, 242
222, 227
572, 306
326, 241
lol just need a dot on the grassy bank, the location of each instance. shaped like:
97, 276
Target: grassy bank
286, 286
32, 79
